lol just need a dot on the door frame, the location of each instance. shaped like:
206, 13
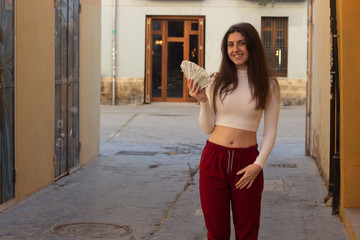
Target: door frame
148, 53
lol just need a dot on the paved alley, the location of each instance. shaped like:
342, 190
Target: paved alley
144, 184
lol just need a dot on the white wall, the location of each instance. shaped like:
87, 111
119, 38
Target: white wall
219, 15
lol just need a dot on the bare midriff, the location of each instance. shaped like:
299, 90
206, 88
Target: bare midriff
232, 137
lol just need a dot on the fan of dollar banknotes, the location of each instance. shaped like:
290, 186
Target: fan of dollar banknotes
193, 71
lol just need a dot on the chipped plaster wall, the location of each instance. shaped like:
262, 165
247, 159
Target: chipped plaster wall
292, 91
128, 91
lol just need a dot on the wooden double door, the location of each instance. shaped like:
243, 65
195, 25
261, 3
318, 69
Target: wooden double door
169, 41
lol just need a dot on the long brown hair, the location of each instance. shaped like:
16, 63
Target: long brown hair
258, 69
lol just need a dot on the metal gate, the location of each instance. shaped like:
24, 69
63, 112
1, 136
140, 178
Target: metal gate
66, 87
7, 159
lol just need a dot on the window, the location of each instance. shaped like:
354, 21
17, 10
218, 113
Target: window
274, 34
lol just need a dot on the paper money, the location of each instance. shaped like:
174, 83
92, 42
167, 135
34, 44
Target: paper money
193, 71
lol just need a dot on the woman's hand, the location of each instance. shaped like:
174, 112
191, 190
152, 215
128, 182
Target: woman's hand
250, 174
196, 92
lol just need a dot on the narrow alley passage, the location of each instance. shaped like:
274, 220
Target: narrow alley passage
144, 184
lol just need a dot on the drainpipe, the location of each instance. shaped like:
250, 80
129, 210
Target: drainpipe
114, 55
334, 176
309, 79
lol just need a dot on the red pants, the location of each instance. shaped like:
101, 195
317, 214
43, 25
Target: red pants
218, 168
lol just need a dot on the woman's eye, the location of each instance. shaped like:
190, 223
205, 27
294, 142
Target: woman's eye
230, 44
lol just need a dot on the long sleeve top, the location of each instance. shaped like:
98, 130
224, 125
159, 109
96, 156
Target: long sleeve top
238, 110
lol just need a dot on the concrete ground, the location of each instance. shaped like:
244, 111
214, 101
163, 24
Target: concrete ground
144, 184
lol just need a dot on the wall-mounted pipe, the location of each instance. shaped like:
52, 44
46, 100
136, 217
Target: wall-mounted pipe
114, 55
309, 79
334, 176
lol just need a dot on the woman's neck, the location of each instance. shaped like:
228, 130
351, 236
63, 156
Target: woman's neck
242, 72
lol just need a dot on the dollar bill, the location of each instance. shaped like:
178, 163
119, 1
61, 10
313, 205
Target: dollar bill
193, 71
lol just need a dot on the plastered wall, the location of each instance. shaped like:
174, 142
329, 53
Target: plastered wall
349, 51
320, 87
90, 77
34, 95
35, 91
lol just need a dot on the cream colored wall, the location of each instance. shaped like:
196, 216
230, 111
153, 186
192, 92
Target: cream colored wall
320, 84
349, 62
35, 91
34, 95
90, 77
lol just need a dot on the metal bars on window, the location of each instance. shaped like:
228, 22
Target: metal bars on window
7, 158
66, 87
274, 34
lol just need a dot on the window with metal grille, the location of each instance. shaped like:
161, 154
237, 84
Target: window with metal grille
274, 34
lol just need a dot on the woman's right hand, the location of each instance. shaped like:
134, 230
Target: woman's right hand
196, 92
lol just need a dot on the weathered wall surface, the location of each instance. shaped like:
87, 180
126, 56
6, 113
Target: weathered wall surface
128, 91
320, 87
131, 91
292, 91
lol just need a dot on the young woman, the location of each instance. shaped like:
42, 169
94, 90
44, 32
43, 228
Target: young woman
231, 110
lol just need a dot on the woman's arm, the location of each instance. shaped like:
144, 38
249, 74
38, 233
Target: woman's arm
271, 116
206, 117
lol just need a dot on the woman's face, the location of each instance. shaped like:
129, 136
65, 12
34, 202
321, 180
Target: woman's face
237, 51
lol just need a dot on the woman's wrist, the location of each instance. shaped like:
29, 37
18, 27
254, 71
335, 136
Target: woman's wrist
203, 100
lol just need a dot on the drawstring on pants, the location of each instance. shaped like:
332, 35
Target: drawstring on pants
230, 161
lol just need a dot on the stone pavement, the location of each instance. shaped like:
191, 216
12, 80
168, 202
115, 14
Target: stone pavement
144, 184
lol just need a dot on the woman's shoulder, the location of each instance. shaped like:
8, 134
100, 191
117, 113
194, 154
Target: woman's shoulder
273, 82
274, 85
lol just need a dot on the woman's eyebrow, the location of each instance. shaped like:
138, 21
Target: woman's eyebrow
241, 40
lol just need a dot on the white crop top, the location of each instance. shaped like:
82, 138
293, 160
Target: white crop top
238, 110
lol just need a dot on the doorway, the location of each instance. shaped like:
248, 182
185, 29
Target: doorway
169, 41
67, 144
